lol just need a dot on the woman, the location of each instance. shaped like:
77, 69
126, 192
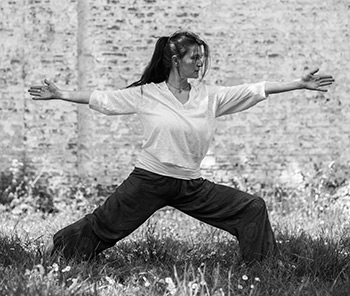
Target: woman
178, 118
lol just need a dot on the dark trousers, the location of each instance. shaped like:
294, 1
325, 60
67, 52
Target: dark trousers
142, 193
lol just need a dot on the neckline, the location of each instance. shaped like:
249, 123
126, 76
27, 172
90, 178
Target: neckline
179, 89
175, 98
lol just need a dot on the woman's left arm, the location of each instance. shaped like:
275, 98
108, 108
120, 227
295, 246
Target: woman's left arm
310, 81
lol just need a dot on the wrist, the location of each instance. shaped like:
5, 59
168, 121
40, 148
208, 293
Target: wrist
62, 95
299, 84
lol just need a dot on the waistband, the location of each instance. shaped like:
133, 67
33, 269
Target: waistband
148, 162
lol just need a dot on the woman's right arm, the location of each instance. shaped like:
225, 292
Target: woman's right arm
49, 91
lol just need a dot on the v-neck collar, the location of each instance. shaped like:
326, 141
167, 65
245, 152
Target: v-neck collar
165, 86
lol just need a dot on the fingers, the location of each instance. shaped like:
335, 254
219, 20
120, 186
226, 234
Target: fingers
325, 83
314, 71
326, 77
318, 82
36, 91
36, 87
322, 80
325, 80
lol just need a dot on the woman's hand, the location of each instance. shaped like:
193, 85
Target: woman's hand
47, 91
316, 82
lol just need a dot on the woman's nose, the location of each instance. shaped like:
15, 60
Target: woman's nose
199, 63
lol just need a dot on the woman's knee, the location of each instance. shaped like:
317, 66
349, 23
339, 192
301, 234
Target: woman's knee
258, 204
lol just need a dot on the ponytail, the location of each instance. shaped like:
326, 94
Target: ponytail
178, 44
156, 71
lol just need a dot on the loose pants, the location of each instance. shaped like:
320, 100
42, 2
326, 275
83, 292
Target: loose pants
142, 193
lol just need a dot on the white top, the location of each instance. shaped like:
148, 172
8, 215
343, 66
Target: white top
176, 136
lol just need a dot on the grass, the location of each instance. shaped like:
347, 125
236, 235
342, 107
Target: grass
173, 254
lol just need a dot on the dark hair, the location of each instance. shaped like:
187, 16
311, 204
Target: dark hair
177, 44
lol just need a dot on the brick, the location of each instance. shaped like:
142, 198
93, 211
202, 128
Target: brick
83, 44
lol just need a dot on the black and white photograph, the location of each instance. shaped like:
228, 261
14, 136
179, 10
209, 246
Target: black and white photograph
186, 148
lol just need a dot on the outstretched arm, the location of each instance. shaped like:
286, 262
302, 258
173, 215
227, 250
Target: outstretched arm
49, 91
310, 81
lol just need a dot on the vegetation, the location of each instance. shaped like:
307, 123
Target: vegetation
173, 254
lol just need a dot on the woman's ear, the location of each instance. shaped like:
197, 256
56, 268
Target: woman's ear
175, 61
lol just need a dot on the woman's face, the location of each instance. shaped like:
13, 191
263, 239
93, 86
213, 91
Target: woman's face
190, 65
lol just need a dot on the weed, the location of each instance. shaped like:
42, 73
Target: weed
173, 254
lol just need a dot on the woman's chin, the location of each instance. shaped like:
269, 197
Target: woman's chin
195, 75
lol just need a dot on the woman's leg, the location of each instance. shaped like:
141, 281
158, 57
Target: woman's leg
135, 200
242, 214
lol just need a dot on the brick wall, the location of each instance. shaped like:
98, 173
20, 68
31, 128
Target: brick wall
106, 44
